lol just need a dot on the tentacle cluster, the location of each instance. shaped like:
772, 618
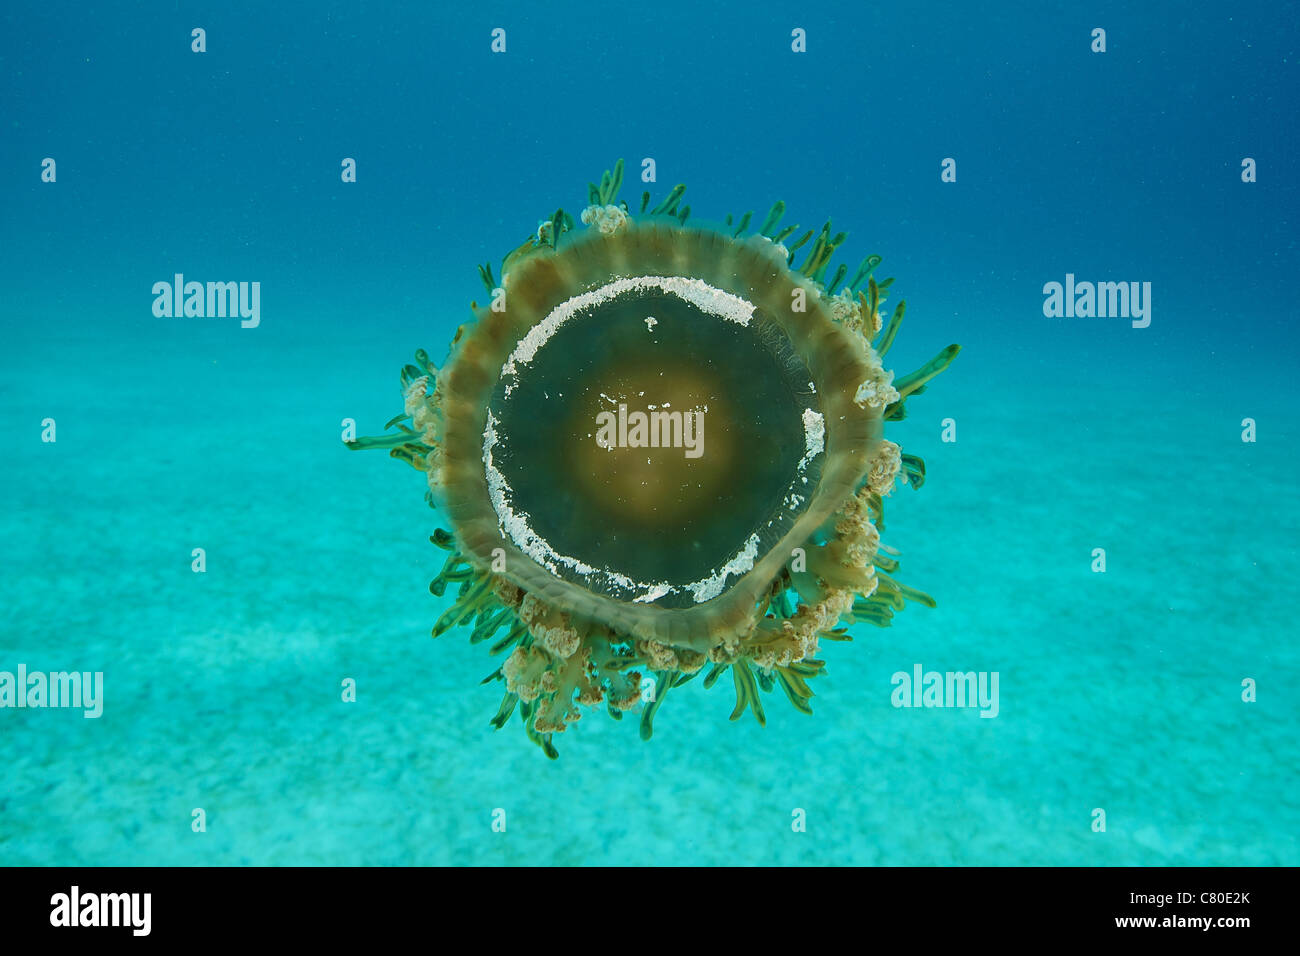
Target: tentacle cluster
557, 663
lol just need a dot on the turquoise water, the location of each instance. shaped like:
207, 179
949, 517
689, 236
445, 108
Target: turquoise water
1120, 690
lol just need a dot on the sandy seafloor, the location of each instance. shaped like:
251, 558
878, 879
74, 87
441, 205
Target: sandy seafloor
1119, 691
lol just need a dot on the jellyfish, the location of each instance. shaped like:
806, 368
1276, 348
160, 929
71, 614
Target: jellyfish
658, 453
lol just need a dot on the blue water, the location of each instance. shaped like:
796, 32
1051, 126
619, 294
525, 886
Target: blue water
1120, 691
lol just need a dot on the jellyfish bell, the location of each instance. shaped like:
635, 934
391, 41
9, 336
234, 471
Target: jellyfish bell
618, 535
660, 448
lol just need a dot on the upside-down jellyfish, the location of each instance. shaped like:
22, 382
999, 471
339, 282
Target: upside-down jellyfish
658, 452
